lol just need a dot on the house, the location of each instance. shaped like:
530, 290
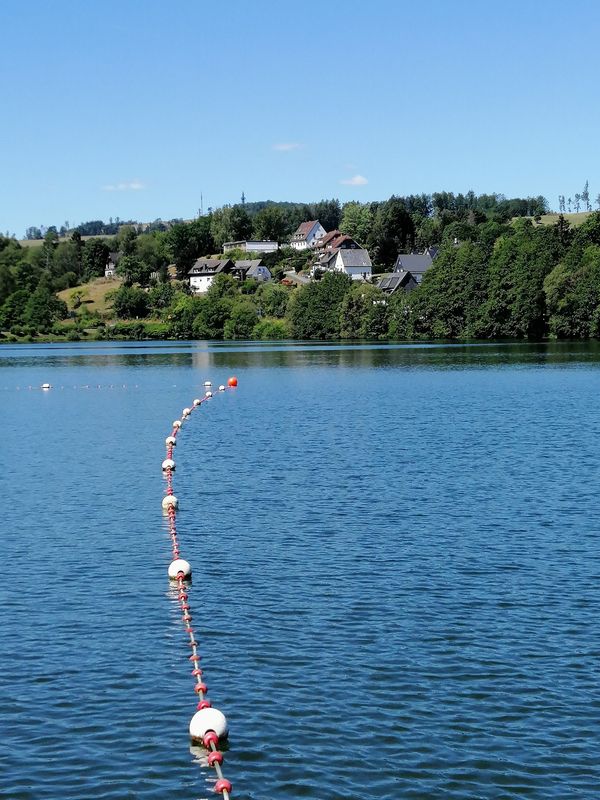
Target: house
307, 235
111, 268
252, 246
416, 263
336, 240
354, 263
395, 281
251, 269
203, 272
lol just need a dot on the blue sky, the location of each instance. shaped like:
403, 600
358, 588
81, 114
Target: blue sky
134, 109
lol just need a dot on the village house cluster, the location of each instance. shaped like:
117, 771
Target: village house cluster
334, 251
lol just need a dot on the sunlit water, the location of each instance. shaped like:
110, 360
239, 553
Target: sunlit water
397, 571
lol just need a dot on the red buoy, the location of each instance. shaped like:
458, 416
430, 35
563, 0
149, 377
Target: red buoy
222, 785
210, 737
232, 381
215, 756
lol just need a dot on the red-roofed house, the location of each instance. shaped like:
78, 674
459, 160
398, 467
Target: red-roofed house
307, 235
336, 240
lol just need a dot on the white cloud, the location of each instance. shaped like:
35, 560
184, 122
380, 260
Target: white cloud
286, 147
125, 186
355, 180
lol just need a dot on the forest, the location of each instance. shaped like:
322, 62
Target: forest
499, 273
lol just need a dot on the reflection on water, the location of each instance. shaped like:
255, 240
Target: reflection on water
206, 355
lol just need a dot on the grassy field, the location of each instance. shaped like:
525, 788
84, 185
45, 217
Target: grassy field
551, 219
93, 294
40, 242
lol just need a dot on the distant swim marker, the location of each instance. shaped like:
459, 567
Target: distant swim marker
208, 726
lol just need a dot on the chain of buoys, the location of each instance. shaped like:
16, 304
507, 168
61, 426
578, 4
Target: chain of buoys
45, 387
208, 726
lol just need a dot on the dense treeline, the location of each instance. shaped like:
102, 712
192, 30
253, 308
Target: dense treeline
494, 276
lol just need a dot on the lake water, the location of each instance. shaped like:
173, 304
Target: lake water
397, 570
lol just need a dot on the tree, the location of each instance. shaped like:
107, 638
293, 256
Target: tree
314, 309
363, 313
94, 258
585, 196
329, 213
357, 220
577, 202
269, 225
573, 295
13, 309
126, 240
272, 300
241, 322
133, 270
392, 231
33, 233
43, 309
129, 302
230, 224
160, 297
187, 242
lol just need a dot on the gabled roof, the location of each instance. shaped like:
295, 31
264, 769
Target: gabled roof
354, 258
254, 269
304, 229
413, 262
328, 238
396, 280
335, 239
248, 263
210, 266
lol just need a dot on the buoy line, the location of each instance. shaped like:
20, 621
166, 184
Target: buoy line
208, 726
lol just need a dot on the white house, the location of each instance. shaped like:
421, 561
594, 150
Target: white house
252, 246
354, 263
307, 235
111, 268
203, 272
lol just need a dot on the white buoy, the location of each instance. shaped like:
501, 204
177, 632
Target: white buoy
208, 719
168, 463
171, 441
221, 388
209, 394
186, 412
170, 500
207, 383
177, 423
179, 565
46, 386
197, 402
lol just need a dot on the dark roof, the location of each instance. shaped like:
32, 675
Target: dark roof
248, 263
396, 280
210, 266
254, 269
417, 263
355, 258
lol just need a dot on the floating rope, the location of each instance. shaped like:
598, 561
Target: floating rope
208, 726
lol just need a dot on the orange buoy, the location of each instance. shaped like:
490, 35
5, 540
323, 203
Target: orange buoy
232, 381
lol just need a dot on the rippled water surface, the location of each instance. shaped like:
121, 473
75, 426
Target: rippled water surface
397, 571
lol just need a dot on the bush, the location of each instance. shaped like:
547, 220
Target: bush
271, 329
156, 330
